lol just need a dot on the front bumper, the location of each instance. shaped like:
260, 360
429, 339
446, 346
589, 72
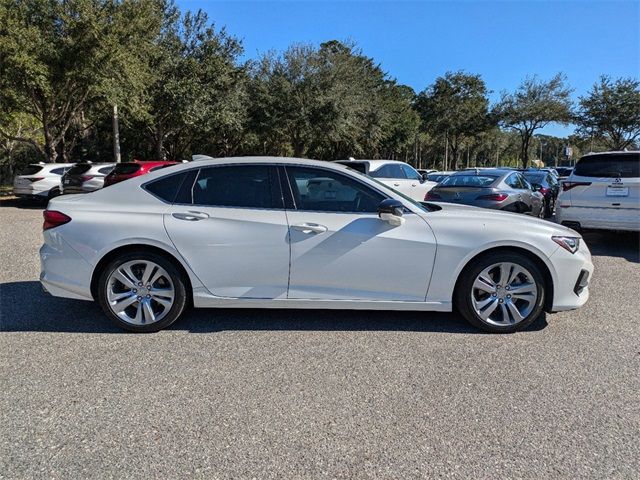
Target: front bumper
572, 271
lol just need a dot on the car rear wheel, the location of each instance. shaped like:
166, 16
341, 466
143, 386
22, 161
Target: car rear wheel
501, 292
142, 292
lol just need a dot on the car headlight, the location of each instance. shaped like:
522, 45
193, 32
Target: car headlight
571, 244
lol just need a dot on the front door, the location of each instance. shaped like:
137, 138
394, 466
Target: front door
340, 249
231, 229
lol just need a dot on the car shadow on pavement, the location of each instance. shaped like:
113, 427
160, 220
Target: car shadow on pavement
614, 244
22, 203
44, 313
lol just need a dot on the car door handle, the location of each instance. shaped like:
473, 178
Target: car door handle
396, 184
309, 228
190, 216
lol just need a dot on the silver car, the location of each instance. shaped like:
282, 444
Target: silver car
490, 188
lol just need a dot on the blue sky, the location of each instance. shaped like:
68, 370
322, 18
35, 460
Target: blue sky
415, 42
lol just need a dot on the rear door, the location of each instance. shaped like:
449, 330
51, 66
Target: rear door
606, 189
230, 227
393, 175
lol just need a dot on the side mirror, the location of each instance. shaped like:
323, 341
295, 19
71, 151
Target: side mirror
391, 211
424, 178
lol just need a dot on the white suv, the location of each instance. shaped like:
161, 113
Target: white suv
40, 180
602, 192
398, 175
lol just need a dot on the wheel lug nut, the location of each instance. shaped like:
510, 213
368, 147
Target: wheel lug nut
148, 287
508, 296
139, 284
135, 291
148, 295
508, 288
501, 300
139, 297
494, 294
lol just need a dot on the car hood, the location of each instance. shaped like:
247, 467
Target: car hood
483, 217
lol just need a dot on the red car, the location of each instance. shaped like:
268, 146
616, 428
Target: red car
125, 170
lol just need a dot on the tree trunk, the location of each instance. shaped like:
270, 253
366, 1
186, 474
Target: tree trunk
525, 150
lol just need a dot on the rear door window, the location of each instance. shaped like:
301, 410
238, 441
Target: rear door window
105, 170
609, 166
240, 186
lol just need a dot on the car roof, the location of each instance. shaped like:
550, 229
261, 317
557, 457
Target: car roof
484, 171
375, 164
613, 152
51, 165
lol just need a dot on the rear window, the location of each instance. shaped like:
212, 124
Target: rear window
126, 168
609, 166
31, 169
535, 177
79, 169
468, 181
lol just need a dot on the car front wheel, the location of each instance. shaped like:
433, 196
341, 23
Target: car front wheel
142, 292
501, 292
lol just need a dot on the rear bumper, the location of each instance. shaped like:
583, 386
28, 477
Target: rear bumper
28, 192
626, 219
64, 273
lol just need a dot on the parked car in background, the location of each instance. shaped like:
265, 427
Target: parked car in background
85, 177
125, 170
40, 180
263, 232
564, 172
398, 175
439, 176
425, 171
545, 183
602, 192
489, 188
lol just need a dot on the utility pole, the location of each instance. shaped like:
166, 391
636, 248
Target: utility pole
446, 151
116, 135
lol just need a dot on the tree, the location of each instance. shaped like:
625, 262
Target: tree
456, 107
58, 58
194, 83
611, 111
534, 105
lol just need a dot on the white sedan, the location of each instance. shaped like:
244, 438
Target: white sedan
289, 233
398, 175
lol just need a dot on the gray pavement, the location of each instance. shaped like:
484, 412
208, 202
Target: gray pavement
324, 394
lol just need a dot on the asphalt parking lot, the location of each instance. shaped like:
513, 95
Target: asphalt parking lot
300, 394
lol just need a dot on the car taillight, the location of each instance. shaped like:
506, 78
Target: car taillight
432, 196
53, 218
566, 186
543, 190
35, 179
493, 197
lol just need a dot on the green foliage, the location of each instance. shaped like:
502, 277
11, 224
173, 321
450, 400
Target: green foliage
611, 112
534, 105
59, 58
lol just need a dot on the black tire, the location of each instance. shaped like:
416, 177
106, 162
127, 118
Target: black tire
464, 289
179, 285
549, 207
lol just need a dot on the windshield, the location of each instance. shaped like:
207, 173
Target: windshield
468, 181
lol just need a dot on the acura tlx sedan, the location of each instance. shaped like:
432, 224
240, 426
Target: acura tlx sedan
290, 233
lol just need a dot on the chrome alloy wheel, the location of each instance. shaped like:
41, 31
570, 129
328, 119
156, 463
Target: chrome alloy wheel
504, 294
140, 292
